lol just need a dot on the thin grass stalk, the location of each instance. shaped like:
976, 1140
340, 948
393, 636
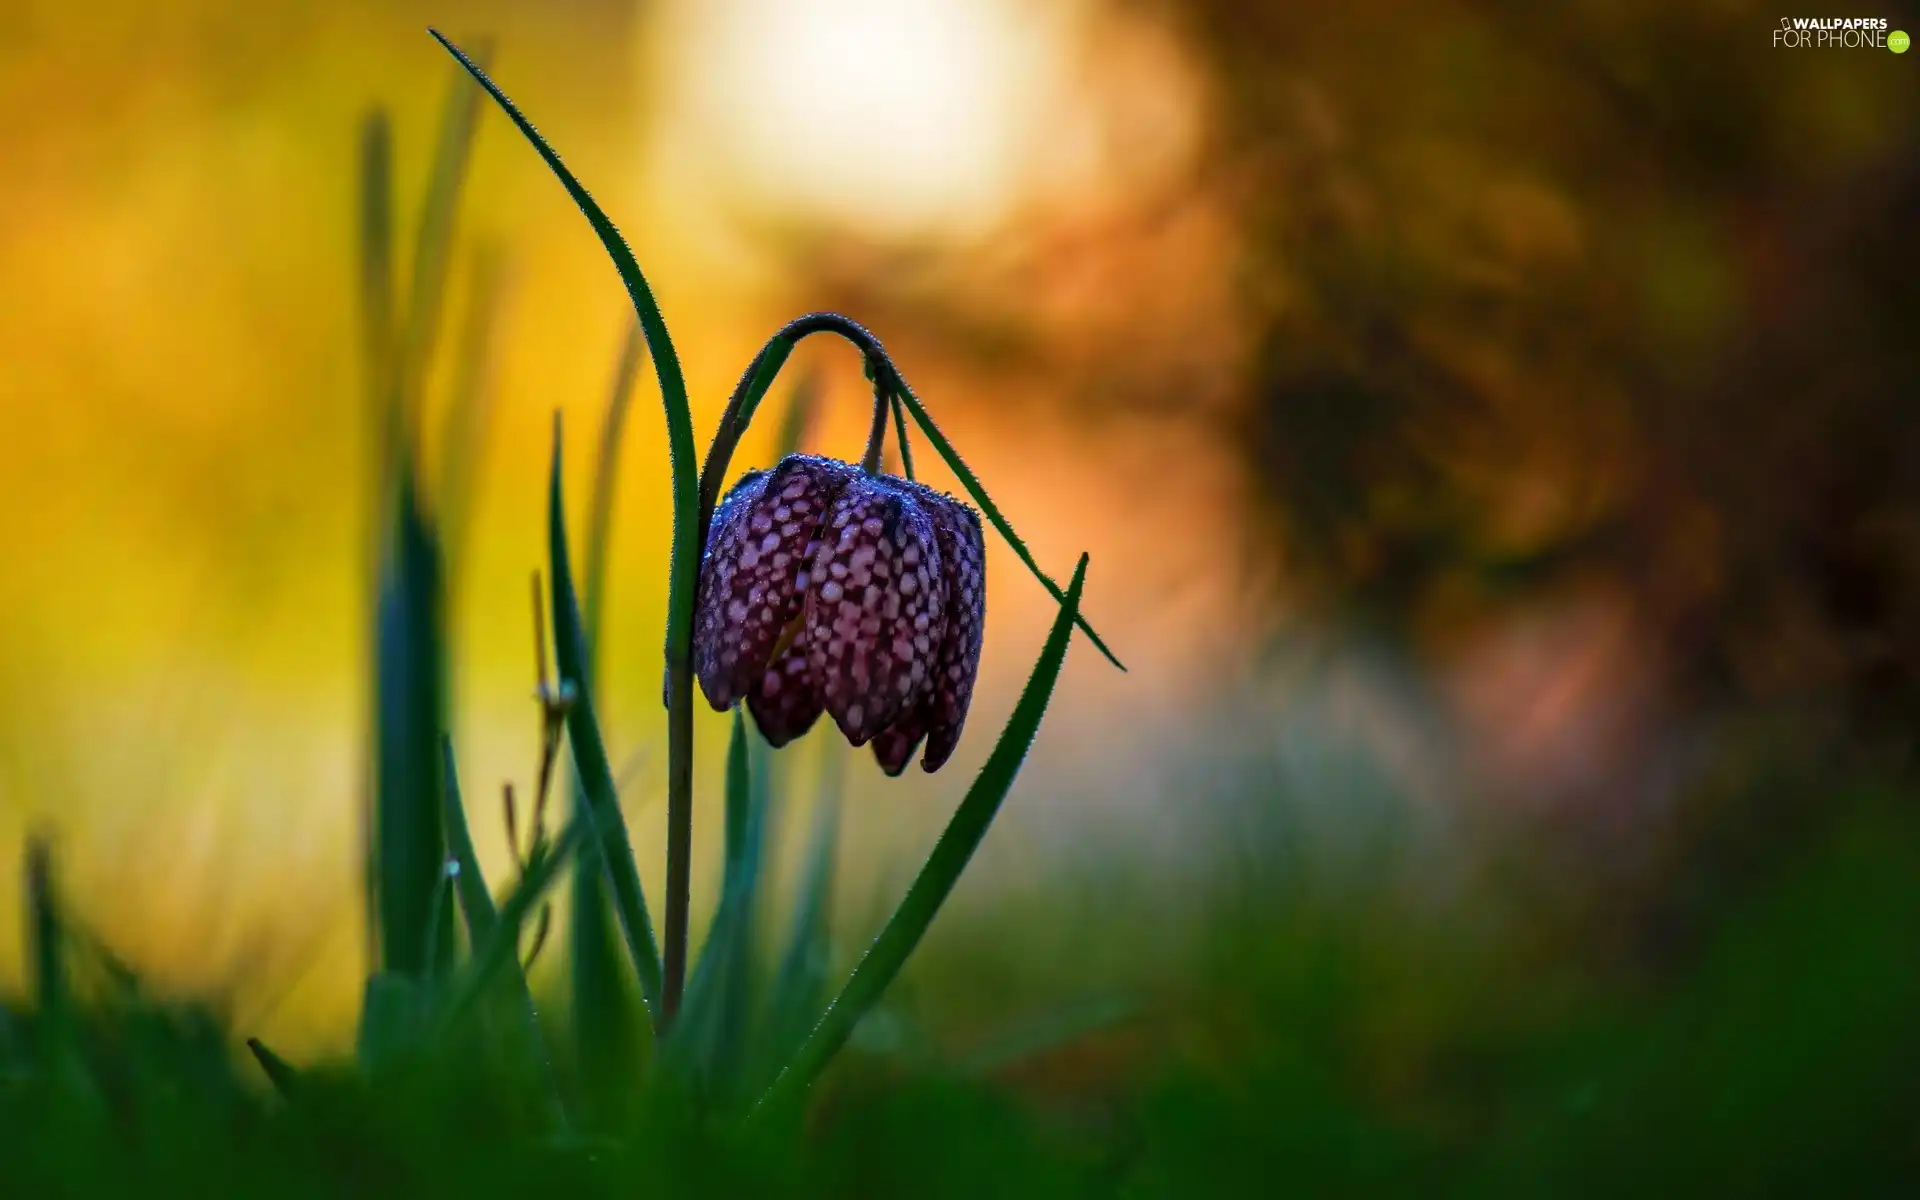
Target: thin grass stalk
476, 902
590, 755
382, 433
949, 858
683, 573
606, 1051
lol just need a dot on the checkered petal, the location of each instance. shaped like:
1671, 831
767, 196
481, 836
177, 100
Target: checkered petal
893, 746
941, 712
784, 702
753, 576
963, 566
875, 614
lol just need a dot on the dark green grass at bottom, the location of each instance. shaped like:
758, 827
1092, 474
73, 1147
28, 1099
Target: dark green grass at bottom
1783, 1061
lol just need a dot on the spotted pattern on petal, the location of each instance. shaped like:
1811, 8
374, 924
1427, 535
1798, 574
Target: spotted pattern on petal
893, 746
725, 537
963, 562
784, 702
876, 607
753, 578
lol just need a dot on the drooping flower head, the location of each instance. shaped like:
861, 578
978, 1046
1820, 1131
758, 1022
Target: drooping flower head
826, 589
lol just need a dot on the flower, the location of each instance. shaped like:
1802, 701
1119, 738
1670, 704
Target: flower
826, 589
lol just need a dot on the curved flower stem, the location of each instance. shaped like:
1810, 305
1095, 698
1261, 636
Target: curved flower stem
759, 377
900, 435
877, 433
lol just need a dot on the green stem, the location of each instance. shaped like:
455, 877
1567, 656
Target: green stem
900, 435
877, 432
688, 535
759, 377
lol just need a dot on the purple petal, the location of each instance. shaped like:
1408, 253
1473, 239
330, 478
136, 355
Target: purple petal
875, 610
963, 562
784, 702
752, 577
893, 746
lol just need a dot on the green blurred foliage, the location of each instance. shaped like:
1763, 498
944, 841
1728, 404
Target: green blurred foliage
1329, 1040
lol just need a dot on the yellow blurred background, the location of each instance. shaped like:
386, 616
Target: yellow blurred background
184, 448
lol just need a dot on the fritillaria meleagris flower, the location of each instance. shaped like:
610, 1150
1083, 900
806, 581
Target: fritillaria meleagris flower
825, 589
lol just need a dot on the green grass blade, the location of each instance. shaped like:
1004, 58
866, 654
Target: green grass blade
476, 902
410, 707
696, 1032
972, 483
606, 1013
666, 363
377, 335
433, 246
482, 922
799, 983
278, 1070
440, 925
682, 578
900, 435
391, 1010
739, 800
606, 473
383, 442
935, 882
709, 1039
501, 949
590, 754
464, 429
46, 939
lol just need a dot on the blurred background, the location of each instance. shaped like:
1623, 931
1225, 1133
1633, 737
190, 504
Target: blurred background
1491, 427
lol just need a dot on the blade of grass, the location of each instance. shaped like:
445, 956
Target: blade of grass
464, 430
682, 573
900, 435
390, 1013
590, 754
936, 880
709, 1042
794, 1001
739, 802
433, 245
695, 1041
278, 1070
376, 315
46, 941
606, 473
482, 920
383, 441
606, 1014
476, 902
502, 946
409, 717
974, 488
440, 923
